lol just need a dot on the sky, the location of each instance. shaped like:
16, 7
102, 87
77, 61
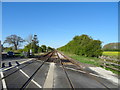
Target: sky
56, 24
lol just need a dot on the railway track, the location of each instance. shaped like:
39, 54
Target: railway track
80, 68
15, 70
62, 64
26, 64
59, 59
28, 81
20, 67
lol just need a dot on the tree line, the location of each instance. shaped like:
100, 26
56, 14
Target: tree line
83, 45
112, 47
32, 44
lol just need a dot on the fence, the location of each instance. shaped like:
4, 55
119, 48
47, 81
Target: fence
111, 63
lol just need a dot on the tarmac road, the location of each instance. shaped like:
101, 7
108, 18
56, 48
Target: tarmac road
78, 79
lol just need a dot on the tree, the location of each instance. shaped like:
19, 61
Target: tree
27, 48
35, 40
44, 48
40, 50
32, 44
49, 48
6, 49
83, 45
14, 40
112, 47
29, 39
93, 49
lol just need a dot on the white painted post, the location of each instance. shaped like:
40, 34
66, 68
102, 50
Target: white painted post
30, 51
104, 63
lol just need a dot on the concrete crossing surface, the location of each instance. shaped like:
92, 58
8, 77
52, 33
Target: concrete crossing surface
49, 72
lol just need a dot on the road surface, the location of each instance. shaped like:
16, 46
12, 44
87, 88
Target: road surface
50, 75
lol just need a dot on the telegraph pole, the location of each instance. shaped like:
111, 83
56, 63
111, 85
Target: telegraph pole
0, 53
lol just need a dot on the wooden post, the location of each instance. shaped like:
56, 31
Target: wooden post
104, 63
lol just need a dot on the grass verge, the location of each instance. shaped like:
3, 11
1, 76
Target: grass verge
83, 59
89, 60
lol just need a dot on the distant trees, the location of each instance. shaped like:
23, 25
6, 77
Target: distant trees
83, 45
49, 49
40, 50
111, 47
32, 44
14, 40
6, 49
44, 48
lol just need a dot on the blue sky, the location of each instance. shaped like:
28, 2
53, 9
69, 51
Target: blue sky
57, 23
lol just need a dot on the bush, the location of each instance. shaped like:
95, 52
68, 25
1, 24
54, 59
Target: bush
83, 45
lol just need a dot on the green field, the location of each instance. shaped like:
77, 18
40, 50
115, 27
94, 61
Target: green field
111, 53
114, 54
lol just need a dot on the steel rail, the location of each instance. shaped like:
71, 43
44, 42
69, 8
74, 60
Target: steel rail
72, 61
28, 81
44, 55
70, 82
15, 70
16, 66
19, 68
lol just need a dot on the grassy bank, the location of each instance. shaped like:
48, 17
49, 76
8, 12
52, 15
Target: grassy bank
83, 59
88, 60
